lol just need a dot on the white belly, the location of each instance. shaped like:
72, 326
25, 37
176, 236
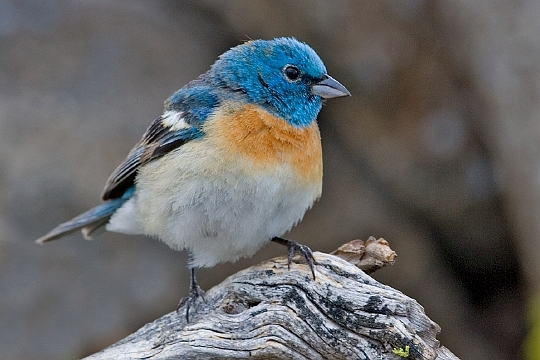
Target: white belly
217, 211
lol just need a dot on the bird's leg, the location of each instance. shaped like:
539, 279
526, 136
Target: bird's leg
194, 292
294, 247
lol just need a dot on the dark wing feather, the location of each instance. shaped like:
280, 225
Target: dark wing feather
187, 110
158, 140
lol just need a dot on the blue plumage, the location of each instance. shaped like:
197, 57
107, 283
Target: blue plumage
251, 69
196, 101
92, 220
233, 162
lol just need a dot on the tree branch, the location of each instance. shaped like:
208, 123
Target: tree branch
268, 312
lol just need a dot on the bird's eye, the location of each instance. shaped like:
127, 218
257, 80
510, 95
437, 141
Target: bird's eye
291, 72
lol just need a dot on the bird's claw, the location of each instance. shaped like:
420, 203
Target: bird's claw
294, 247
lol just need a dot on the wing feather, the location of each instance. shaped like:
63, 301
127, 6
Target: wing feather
156, 141
185, 112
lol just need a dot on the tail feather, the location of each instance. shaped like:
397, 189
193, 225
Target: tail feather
89, 221
94, 230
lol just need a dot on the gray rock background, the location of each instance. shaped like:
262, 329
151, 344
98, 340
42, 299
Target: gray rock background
437, 151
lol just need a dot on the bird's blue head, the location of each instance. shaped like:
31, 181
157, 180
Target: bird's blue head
283, 75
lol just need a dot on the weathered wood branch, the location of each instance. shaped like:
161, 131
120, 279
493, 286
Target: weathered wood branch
268, 312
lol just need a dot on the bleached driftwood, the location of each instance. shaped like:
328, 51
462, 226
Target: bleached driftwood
268, 312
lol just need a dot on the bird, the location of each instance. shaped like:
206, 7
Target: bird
232, 163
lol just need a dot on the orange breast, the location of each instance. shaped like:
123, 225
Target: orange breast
267, 141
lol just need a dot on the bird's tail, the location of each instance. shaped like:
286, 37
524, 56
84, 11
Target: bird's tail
89, 222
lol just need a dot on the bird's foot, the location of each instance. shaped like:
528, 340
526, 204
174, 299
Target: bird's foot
294, 247
195, 291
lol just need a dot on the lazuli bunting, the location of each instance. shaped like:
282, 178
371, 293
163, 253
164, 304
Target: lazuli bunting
233, 162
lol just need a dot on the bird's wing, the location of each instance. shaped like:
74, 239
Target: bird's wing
181, 122
158, 140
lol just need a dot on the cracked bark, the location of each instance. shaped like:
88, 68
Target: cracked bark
267, 312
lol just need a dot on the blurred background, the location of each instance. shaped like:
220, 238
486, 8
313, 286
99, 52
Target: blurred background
438, 151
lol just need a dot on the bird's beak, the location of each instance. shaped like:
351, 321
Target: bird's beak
329, 88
